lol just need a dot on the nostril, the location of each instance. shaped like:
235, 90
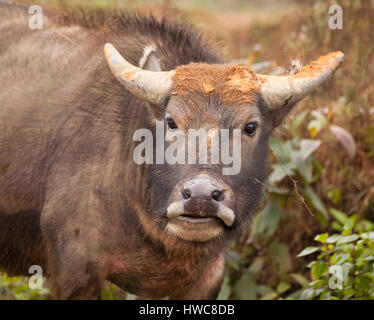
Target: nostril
218, 195
186, 194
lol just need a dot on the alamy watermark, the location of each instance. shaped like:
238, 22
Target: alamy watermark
36, 280
36, 19
212, 147
336, 17
337, 278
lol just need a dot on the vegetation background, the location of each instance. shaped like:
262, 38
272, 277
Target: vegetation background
318, 210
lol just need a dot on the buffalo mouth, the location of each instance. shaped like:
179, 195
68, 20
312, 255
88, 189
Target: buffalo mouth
196, 218
197, 226
223, 215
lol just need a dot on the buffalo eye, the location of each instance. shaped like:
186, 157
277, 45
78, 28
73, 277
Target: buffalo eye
171, 123
250, 128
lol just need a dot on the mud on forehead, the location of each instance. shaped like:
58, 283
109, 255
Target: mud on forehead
200, 89
234, 85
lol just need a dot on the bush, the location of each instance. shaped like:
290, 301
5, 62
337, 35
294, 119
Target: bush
344, 267
263, 264
17, 288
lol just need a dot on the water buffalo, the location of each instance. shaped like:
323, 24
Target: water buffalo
72, 198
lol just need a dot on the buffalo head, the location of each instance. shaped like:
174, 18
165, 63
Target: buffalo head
197, 204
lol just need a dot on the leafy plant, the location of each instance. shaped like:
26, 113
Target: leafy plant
344, 266
17, 288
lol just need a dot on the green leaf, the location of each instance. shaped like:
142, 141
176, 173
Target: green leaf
298, 120
320, 269
130, 296
348, 296
363, 282
280, 171
307, 250
264, 290
347, 267
281, 149
334, 238
348, 226
321, 237
233, 259
334, 195
336, 226
269, 219
269, 296
307, 294
224, 293
279, 255
316, 203
341, 258
347, 239
245, 288
308, 146
256, 266
301, 280
283, 287
305, 169
339, 216
368, 235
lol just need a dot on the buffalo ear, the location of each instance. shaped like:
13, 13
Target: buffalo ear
150, 61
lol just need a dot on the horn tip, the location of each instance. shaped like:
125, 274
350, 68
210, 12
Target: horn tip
333, 59
107, 48
339, 56
113, 57
323, 65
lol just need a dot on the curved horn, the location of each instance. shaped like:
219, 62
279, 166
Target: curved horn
153, 86
285, 90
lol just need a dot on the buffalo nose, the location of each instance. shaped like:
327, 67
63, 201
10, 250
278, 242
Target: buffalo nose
202, 194
203, 188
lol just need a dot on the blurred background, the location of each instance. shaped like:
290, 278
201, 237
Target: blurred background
318, 210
